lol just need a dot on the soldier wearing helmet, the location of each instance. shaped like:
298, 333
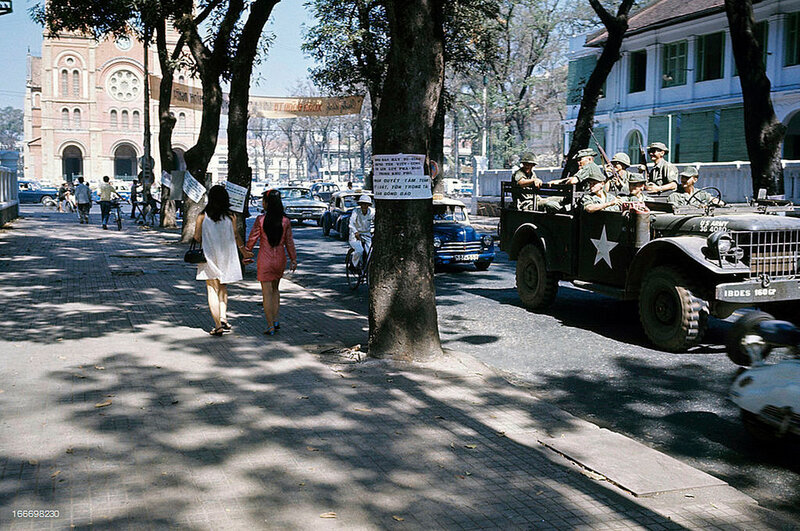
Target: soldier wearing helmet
523, 181
620, 175
636, 184
664, 176
598, 199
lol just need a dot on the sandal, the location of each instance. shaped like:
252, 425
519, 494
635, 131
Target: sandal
270, 331
276, 325
225, 327
217, 332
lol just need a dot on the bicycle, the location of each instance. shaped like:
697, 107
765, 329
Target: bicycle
117, 212
357, 275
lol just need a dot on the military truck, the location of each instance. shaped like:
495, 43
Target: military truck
682, 264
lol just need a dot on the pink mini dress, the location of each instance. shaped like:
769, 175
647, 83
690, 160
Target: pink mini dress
271, 261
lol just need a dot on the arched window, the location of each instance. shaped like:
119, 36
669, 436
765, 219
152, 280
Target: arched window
76, 119
36, 100
65, 118
64, 83
182, 121
124, 161
181, 79
76, 83
125, 120
113, 116
632, 146
136, 119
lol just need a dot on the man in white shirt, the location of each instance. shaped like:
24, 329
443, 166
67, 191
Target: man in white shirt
83, 196
361, 221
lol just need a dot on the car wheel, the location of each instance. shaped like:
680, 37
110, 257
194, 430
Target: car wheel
482, 265
326, 226
672, 315
46, 200
744, 339
536, 285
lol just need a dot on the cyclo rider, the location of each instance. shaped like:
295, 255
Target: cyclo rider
361, 222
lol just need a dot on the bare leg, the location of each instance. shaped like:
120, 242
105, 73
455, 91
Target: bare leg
223, 303
212, 288
276, 300
266, 293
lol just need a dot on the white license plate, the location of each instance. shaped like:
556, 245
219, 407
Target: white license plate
466, 257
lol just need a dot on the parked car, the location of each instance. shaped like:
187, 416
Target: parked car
323, 191
337, 217
455, 240
33, 192
298, 205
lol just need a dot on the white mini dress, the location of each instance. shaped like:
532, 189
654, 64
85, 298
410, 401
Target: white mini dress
219, 248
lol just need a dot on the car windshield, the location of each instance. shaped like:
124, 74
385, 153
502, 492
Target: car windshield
322, 188
449, 213
295, 193
349, 201
29, 186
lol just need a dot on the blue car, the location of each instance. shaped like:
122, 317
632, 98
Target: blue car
455, 241
33, 192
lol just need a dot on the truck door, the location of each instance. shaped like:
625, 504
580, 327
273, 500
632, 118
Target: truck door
605, 247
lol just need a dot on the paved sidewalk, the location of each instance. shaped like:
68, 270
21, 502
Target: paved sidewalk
117, 410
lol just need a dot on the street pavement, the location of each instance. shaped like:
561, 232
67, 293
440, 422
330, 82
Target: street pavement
117, 410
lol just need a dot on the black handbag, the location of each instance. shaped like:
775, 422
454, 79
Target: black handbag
194, 255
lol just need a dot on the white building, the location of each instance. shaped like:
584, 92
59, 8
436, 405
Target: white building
676, 80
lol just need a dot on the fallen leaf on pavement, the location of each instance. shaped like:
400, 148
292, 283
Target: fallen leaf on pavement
459, 476
99, 367
470, 446
69, 450
362, 409
302, 398
55, 474
312, 449
33, 462
540, 493
328, 515
302, 483
501, 434
439, 417
398, 518
104, 403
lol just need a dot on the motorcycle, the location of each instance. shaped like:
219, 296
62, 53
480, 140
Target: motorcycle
768, 395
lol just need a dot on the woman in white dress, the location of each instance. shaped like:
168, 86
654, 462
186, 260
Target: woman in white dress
215, 229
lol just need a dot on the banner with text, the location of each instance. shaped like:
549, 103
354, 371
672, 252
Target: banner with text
400, 176
237, 195
192, 187
188, 97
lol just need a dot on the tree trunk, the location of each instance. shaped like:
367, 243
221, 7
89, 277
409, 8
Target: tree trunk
763, 132
242, 69
166, 123
616, 26
402, 305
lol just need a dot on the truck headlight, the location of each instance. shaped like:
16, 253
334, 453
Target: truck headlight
721, 245
437, 243
486, 240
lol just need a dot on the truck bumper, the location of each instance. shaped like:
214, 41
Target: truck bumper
752, 291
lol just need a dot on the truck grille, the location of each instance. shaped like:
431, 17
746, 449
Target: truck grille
461, 247
771, 252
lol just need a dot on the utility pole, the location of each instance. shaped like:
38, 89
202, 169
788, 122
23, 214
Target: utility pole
147, 170
456, 153
485, 132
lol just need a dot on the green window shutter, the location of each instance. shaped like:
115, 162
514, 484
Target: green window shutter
578, 73
657, 129
732, 144
697, 137
791, 52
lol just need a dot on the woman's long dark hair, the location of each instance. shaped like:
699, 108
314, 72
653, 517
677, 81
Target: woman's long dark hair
273, 217
219, 204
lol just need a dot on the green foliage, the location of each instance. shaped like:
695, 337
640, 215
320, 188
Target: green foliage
11, 127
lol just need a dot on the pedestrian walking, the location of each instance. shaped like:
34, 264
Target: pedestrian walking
134, 197
107, 192
83, 196
273, 232
215, 230
62, 196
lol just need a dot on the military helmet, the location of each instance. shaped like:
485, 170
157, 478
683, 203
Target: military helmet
660, 146
528, 157
591, 172
622, 158
636, 178
690, 171
586, 152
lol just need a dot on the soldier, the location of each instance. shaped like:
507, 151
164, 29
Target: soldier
618, 170
598, 199
523, 181
664, 176
689, 178
586, 166
635, 193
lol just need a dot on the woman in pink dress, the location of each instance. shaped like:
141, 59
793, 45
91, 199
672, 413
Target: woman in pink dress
273, 232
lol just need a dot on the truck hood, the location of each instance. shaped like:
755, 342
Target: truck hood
683, 224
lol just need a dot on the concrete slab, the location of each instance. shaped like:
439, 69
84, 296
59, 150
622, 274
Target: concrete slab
629, 464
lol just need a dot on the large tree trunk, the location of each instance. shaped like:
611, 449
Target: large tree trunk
402, 303
763, 132
238, 117
166, 122
616, 26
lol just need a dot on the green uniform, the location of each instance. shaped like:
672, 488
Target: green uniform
591, 199
591, 170
523, 196
663, 173
701, 197
622, 188
630, 198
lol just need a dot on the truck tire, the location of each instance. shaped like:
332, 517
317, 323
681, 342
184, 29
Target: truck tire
536, 285
326, 226
745, 326
672, 315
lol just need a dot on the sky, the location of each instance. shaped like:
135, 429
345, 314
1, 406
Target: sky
284, 67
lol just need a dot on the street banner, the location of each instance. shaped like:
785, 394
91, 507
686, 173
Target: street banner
192, 187
188, 97
166, 179
400, 176
237, 195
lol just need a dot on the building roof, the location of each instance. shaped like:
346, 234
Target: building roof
34, 71
662, 13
